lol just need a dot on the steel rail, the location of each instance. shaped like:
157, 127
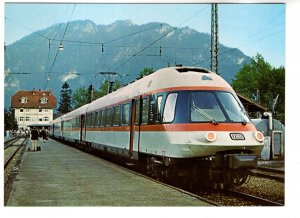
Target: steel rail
15, 152
10, 142
267, 174
258, 201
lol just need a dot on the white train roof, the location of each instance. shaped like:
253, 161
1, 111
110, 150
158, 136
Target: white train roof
75, 113
166, 78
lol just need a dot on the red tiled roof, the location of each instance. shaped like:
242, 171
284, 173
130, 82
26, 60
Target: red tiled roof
34, 99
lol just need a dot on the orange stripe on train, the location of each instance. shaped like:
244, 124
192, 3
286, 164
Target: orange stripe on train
237, 127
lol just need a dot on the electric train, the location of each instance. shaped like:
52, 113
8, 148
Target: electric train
178, 124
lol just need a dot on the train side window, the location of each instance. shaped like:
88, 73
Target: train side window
158, 108
169, 110
152, 110
95, 119
137, 112
88, 120
125, 114
109, 117
116, 116
145, 110
103, 119
99, 118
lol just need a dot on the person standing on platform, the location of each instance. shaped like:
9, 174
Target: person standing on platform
34, 139
7, 134
43, 134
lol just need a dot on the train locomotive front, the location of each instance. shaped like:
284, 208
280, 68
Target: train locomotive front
182, 125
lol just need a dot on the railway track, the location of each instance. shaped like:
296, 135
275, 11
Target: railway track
235, 198
10, 142
255, 200
11, 148
269, 173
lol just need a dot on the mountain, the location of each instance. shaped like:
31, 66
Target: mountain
122, 47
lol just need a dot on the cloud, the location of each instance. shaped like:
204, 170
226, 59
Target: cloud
11, 84
69, 76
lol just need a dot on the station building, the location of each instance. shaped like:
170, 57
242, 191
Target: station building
33, 108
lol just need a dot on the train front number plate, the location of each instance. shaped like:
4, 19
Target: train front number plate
237, 136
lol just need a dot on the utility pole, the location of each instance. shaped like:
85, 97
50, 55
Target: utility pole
91, 93
110, 76
214, 50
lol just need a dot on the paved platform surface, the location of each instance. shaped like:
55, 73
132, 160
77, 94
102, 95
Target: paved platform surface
60, 175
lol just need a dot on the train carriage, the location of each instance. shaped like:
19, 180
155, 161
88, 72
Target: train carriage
177, 122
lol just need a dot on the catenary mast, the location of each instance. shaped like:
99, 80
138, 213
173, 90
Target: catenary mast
214, 52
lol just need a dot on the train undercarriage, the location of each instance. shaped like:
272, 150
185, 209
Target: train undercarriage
222, 171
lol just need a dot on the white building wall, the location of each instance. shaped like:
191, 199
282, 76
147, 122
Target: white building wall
27, 116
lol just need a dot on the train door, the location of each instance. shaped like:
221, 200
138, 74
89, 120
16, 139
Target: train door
82, 128
134, 128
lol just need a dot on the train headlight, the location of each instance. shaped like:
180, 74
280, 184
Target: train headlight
259, 136
211, 136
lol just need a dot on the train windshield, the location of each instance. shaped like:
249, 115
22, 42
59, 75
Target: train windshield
215, 107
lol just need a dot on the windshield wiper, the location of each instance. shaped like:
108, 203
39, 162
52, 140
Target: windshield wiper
199, 110
244, 121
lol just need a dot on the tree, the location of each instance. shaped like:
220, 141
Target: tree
270, 81
104, 88
80, 97
146, 71
65, 99
9, 120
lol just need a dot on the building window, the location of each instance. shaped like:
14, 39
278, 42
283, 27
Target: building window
27, 119
26, 110
24, 100
40, 119
46, 119
43, 100
40, 110
21, 110
21, 118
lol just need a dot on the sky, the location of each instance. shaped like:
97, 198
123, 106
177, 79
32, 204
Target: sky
253, 28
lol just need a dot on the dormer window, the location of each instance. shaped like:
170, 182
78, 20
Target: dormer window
24, 100
44, 100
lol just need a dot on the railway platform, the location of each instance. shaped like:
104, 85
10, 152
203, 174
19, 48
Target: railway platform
275, 164
60, 175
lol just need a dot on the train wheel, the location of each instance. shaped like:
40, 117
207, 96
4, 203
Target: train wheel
239, 177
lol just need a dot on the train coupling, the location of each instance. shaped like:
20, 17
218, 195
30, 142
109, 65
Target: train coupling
236, 161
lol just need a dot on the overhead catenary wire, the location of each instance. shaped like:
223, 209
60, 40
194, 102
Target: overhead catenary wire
246, 44
57, 51
164, 35
144, 48
35, 32
263, 28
